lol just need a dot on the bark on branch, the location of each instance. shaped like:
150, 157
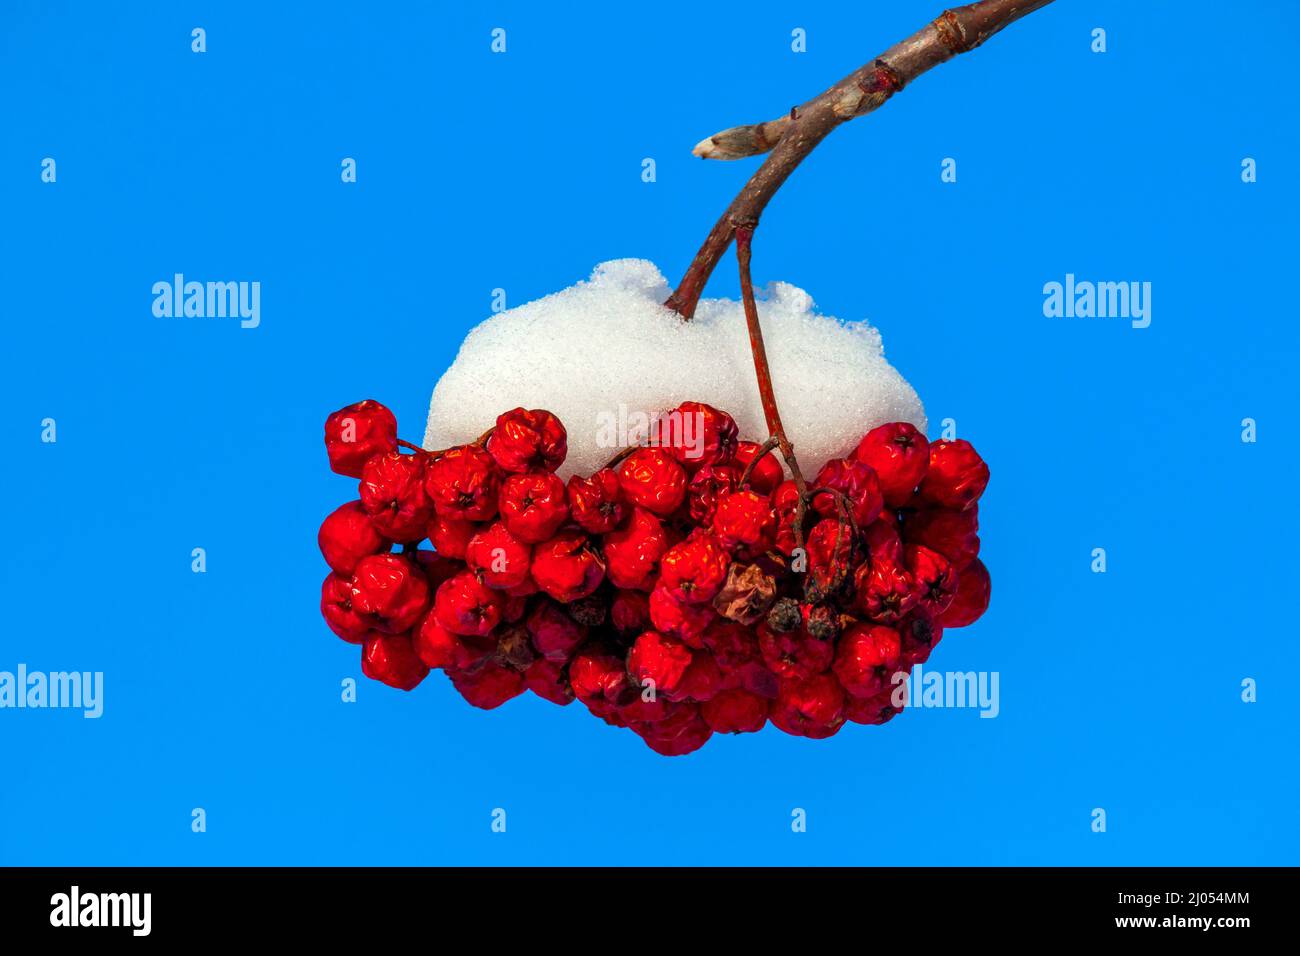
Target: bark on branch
793, 137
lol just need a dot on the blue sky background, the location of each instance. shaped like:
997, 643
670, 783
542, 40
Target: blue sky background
522, 171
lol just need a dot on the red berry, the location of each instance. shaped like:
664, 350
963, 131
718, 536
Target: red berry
972, 598
882, 543
466, 606
342, 618
732, 645
735, 711
954, 534
785, 502
879, 709
672, 618
919, 634
885, 591
347, 536
676, 737
391, 590
437, 567
658, 662
598, 676
694, 570
489, 686
533, 506
547, 680
745, 522
391, 659
702, 680
767, 474
794, 655
632, 552
867, 659
809, 708
936, 581
463, 483
831, 554
440, 648
900, 456
957, 475
526, 440
555, 635
629, 612
709, 484
355, 434
392, 494
857, 482
567, 567
451, 536
499, 558
653, 479
697, 434
597, 503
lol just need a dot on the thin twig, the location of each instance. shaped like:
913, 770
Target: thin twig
793, 137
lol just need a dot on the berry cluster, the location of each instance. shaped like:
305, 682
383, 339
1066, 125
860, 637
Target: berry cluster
674, 592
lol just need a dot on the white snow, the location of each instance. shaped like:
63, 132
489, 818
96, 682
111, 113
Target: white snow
606, 350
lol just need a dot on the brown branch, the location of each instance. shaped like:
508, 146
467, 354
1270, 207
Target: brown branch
793, 137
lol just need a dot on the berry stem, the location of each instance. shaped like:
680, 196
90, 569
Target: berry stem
416, 448
791, 138
744, 238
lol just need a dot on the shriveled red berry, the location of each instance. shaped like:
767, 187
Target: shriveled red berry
463, 484
555, 634
440, 648
548, 681
954, 534
735, 711
632, 552
936, 581
732, 645
466, 606
831, 554
885, 591
673, 618
528, 440
598, 676
629, 612
855, 480
972, 598
697, 434
451, 536
393, 496
813, 707
956, 477
391, 590
794, 655
867, 659
568, 567
652, 479
347, 535
745, 522
355, 434
342, 618
900, 456
533, 506
489, 686
707, 485
767, 474
499, 558
597, 503
391, 659
785, 502
694, 570
659, 662
879, 709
